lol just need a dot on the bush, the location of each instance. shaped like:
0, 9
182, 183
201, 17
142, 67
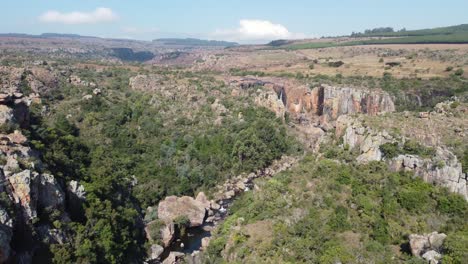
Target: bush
452, 204
390, 150
454, 105
414, 148
455, 247
449, 68
415, 196
335, 64
459, 72
154, 231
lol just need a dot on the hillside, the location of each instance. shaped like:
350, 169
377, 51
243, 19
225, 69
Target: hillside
189, 151
444, 35
194, 42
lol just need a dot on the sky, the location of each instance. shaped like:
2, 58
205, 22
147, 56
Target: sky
244, 21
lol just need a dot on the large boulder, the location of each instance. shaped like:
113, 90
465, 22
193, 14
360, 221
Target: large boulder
173, 207
421, 244
25, 191
155, 252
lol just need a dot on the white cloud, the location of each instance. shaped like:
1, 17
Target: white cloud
253, 30
101, 14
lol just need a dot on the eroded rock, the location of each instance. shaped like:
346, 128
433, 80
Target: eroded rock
173, 207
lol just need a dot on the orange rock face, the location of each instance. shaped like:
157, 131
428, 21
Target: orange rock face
327, 102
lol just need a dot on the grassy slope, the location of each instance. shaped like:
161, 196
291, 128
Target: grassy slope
453, 34
326, 212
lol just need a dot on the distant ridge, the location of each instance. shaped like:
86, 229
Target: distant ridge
44, 35
195, 42
389, 32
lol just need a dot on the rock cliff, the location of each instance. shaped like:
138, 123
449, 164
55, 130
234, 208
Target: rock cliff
28, 190
443, 168
327, 102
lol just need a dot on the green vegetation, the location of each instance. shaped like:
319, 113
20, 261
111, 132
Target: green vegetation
430, 39
454, 34
122, 139
389, 32
327, 212
458, 72
391, 150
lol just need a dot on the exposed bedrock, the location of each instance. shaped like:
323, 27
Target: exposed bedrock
443, 168
327, 102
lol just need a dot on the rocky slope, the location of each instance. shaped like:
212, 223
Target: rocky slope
28, 192
442, 168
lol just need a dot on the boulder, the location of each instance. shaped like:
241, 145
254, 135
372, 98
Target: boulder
436, 240
77, 190
432, 257
422, 244
205, 242
155, 252
418, 244
201, 197
173, 258
50, 193
172, 207
167, 234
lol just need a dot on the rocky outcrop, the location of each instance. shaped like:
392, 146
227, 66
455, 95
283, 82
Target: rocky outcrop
29, 191
173, 258
442, 169
336, 101
75, 80
269, 99
356, 135
24, 187
51, 194
427, 246
155, 252
167, 233
173, 207
14, 108
327, 102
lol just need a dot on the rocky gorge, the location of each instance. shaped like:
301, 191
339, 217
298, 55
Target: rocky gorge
200, 213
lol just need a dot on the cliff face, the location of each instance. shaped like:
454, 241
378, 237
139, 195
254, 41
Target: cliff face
330, 102
327, 102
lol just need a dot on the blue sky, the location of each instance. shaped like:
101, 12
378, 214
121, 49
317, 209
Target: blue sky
240, 20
